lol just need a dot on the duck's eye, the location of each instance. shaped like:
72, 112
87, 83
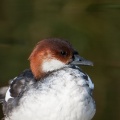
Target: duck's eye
63, 53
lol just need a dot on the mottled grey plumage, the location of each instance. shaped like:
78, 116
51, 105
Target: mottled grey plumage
26, 81
17, 87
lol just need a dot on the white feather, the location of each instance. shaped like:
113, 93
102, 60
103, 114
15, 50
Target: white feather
52, 64
91, 85
8, 96
62, 96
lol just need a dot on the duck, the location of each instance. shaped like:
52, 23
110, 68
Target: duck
53, 88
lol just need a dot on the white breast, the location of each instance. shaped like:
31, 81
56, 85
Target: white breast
61, 96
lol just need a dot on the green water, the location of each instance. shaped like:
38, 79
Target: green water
92, 27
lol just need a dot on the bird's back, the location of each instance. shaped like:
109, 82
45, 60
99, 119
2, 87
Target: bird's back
16, 89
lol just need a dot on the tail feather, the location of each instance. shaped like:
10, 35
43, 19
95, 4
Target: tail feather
3, 91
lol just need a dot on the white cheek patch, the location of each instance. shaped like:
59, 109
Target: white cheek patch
52, 64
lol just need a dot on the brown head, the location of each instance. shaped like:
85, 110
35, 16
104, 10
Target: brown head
52, 54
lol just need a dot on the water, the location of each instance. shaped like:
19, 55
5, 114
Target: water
92, 27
